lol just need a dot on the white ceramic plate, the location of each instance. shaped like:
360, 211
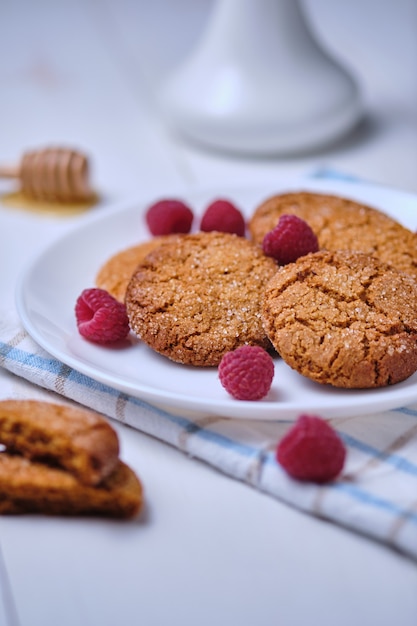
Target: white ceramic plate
52, 282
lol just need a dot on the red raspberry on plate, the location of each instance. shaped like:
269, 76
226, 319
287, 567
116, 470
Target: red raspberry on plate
247, 372
291, 238
166, 217
223, 216
100, 317
311, 450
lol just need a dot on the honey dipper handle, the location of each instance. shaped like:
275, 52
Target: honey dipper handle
9, 171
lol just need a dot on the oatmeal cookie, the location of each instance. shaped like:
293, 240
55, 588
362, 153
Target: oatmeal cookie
341, 224
344, 319
198, 297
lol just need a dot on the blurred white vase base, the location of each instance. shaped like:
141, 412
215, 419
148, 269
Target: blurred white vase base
258, 83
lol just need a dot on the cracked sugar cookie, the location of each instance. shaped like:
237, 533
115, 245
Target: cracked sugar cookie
341, 224
198, 297
344, 319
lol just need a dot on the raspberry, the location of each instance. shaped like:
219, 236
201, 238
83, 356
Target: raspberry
311, 450
247, 372
223, 216
291, 238
169, 216
100, 317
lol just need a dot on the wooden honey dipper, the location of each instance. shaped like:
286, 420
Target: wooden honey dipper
52, 174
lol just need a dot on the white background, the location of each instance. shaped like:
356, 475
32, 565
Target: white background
208, 550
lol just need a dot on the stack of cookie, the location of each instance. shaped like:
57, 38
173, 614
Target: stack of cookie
59, 460
345, 315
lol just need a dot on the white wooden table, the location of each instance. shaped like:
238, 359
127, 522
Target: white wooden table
209, 550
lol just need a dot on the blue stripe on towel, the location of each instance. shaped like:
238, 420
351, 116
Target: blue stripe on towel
400, 463
406, 410
25, 358
374, 501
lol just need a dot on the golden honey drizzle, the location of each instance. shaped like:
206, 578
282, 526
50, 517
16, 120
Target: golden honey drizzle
19, 200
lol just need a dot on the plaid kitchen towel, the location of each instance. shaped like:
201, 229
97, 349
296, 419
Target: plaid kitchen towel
376, 494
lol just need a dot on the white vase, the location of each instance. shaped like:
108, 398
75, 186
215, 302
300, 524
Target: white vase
259, 83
